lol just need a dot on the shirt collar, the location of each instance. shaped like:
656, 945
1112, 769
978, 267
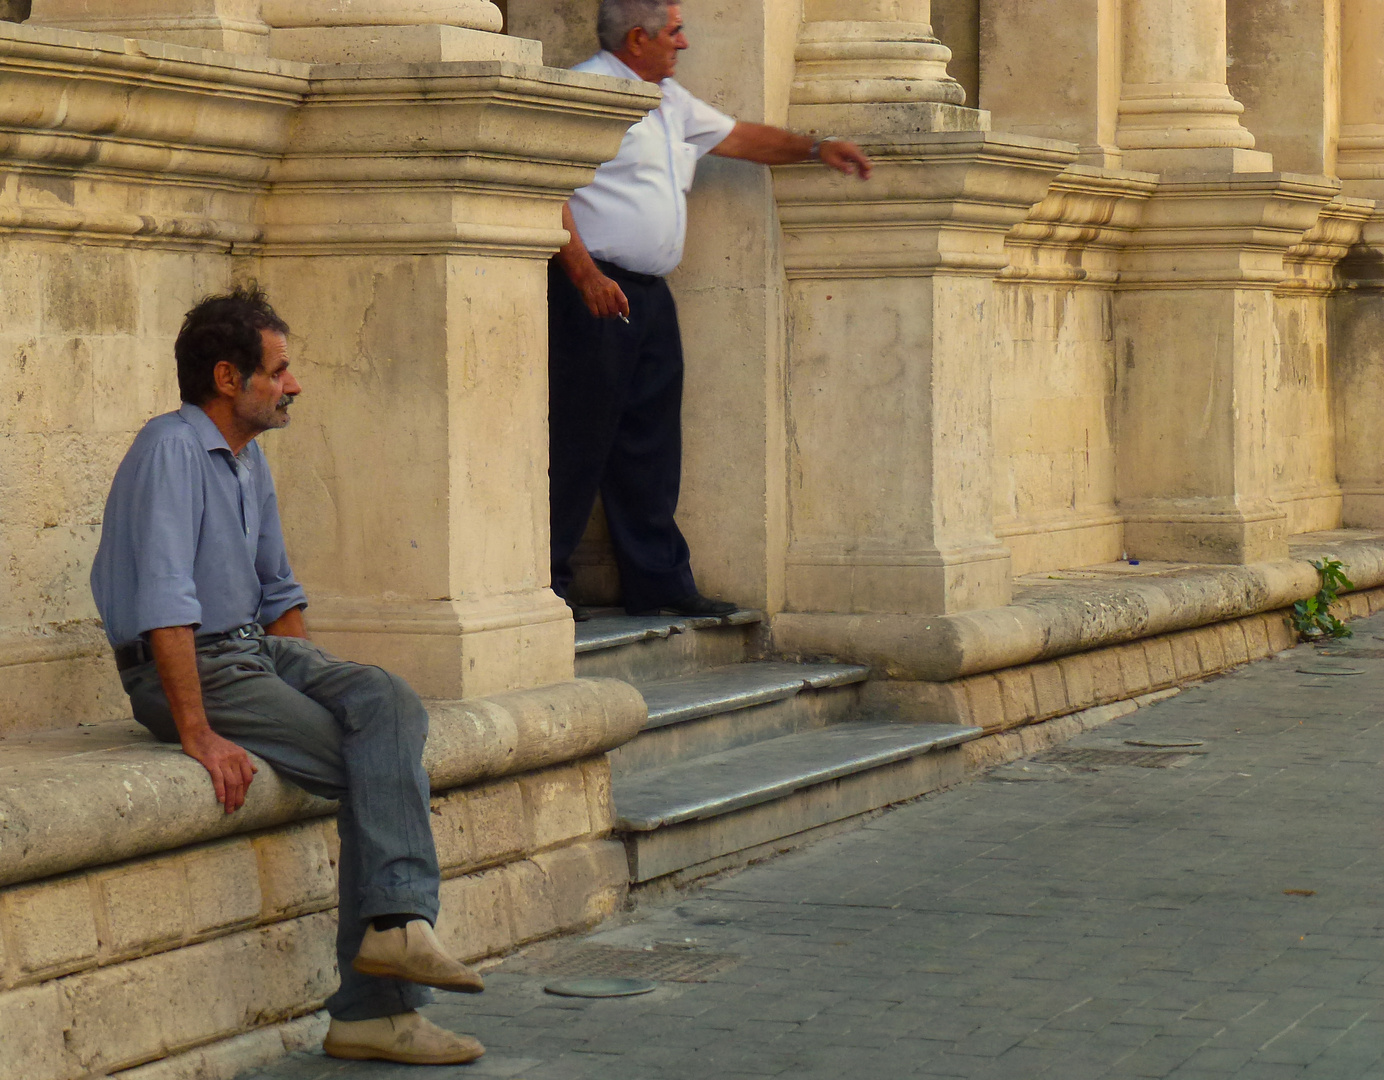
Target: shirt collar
622, 69
207, 432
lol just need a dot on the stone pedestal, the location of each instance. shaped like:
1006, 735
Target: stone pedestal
877, 53
413, 483
1177, 115
389, 31
224, 25
1050, 68
1197, 341
891, 302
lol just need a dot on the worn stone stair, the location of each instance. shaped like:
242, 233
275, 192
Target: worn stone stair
741, 754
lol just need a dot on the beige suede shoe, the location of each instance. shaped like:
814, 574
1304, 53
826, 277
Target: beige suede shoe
414, 954
407, 1038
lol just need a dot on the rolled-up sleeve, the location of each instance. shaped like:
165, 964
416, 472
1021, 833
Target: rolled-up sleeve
167, 504
279, 589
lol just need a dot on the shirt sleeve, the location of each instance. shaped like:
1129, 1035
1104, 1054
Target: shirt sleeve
704, 127
279, 589
165, 515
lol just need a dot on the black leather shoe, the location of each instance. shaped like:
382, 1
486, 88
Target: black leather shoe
580, 613
697, 604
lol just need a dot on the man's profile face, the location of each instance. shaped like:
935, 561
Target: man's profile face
263, 402
663, 50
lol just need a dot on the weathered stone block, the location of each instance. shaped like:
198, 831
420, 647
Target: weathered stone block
586, 881
223, 886
1280, 630
295, 873
1049, 694
1105, 676
532, 901
555, 808
131, 1012
1232, 637
144, 905
1359, 605
1162, 668
495, 813
600, 804
986, 704
450, 831
1079, 681
1134, 668
32, 1025
51, 925
1017, 696
1210, 649
474, 920
1186, 659
1256, 638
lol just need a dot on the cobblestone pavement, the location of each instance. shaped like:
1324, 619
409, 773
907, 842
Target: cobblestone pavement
1219, 918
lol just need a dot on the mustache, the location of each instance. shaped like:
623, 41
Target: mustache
285, 401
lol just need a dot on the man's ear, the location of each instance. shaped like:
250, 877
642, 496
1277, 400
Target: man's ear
226, 377
636, 40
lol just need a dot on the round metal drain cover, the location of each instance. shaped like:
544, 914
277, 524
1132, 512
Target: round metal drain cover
1331, 671
601, 988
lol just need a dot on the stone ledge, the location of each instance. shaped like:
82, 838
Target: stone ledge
1077, 612
1026, 694
83, 810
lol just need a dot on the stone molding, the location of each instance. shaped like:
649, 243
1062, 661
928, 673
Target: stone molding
468, 14
146, 797
1076, 233
938, 202
1310, 264
1056, 622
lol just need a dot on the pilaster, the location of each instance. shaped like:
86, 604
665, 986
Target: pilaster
1196, 343
1360, 151
1176, 112
891, 309
881, 54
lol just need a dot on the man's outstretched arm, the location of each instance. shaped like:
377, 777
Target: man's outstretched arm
175, 656
774, 146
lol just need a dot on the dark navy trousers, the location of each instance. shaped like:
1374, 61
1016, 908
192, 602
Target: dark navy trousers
615, 428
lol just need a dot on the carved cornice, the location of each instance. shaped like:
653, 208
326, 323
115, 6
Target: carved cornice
940, 202
162, 145
1310, 264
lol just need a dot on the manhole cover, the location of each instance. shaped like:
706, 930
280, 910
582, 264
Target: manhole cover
607, 961
601, 988
1331, 671
1144, 759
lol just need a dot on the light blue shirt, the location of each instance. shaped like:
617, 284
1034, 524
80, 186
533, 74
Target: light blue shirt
634, 213
191, 535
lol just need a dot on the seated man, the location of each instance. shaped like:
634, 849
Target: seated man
206, 620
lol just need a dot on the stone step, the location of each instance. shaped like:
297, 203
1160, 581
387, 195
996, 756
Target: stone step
722, 708
698, 811
644, 649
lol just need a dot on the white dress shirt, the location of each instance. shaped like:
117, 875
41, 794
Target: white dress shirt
634, 213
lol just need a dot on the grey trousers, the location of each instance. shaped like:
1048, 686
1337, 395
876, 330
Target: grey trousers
342, 731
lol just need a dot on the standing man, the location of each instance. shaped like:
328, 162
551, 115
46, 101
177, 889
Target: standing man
615, 353
201, 606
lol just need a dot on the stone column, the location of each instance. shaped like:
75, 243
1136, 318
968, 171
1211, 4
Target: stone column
1357, 310
879, 53
1360, 152
891, 308
414, 480
1051, 68
385, 31
1176, 110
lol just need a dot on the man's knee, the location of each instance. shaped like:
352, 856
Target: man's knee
386, 696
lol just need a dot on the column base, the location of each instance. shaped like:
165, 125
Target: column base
885, 118
399, 44
453, 648
222, 25
1184, 533
934, 583
1189, 163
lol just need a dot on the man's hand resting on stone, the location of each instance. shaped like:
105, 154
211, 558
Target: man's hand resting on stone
175, 655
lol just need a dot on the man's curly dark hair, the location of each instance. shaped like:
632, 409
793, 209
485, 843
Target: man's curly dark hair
223, 327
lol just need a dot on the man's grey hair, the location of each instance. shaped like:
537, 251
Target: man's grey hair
618, 17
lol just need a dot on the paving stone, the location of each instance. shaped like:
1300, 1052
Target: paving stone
1060, 923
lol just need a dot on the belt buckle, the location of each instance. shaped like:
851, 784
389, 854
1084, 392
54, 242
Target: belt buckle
241, 632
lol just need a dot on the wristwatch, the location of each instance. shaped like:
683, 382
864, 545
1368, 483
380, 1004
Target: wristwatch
815, 153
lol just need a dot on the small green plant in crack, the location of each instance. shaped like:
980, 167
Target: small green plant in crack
1312, 617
